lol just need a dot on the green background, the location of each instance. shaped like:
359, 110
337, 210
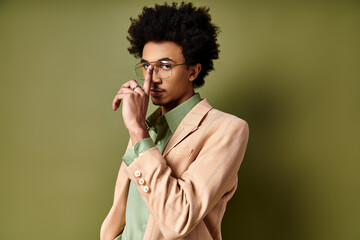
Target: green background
289, 68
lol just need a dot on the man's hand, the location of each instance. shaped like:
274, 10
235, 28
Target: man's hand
135, 104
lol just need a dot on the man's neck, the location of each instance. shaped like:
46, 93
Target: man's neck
168, 107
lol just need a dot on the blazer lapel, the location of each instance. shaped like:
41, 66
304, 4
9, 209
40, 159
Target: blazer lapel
188, 125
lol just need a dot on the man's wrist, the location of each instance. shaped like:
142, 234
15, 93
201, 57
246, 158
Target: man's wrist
137, 134
137, 150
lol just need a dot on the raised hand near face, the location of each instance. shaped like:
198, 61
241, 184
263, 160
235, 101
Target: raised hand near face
134, 107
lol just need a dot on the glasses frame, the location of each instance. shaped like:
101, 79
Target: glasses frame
140, 65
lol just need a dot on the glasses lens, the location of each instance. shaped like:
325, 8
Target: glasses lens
163, 70
139, 70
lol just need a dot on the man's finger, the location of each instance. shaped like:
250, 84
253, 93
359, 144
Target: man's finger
148, 79
129, 84
135, 86
116, 102
124, 90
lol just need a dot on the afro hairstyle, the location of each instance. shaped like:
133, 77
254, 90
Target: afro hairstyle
186, 25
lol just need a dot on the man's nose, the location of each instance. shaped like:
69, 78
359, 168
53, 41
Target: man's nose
155, 77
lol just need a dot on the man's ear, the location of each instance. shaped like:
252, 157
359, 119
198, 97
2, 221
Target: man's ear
194, 71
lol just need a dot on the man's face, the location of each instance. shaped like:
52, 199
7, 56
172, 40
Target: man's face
176, 89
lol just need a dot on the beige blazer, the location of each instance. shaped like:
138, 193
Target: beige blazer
187, 187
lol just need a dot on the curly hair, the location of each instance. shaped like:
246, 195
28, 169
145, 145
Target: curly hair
186, 25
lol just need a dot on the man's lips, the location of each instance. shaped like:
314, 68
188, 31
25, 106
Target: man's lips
156, 91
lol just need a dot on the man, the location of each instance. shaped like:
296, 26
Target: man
180, 167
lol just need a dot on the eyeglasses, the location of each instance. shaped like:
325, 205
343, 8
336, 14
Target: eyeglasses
163, 69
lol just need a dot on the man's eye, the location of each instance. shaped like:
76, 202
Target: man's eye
165, 66
146, 65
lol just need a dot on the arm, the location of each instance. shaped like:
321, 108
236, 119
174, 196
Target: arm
115, 220
135, 102
178, 205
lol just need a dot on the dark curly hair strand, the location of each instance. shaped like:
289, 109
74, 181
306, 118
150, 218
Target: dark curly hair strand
185, 25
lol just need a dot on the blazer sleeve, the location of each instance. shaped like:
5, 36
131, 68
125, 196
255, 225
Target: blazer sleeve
114, 222
179, 204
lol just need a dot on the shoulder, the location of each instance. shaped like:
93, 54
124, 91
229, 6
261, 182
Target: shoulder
217, 121
212, 120
222, 118
221, 132
220, 115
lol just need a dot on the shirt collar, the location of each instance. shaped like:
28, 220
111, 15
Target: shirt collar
175, 115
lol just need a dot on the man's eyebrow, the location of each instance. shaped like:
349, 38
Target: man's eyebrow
166, 59
161, 59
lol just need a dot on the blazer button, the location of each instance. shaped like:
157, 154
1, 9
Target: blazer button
141, 181
146, 189
137, 173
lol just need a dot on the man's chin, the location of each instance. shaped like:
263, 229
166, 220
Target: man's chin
156, 102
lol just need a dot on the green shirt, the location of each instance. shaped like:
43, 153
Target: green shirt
161, 129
